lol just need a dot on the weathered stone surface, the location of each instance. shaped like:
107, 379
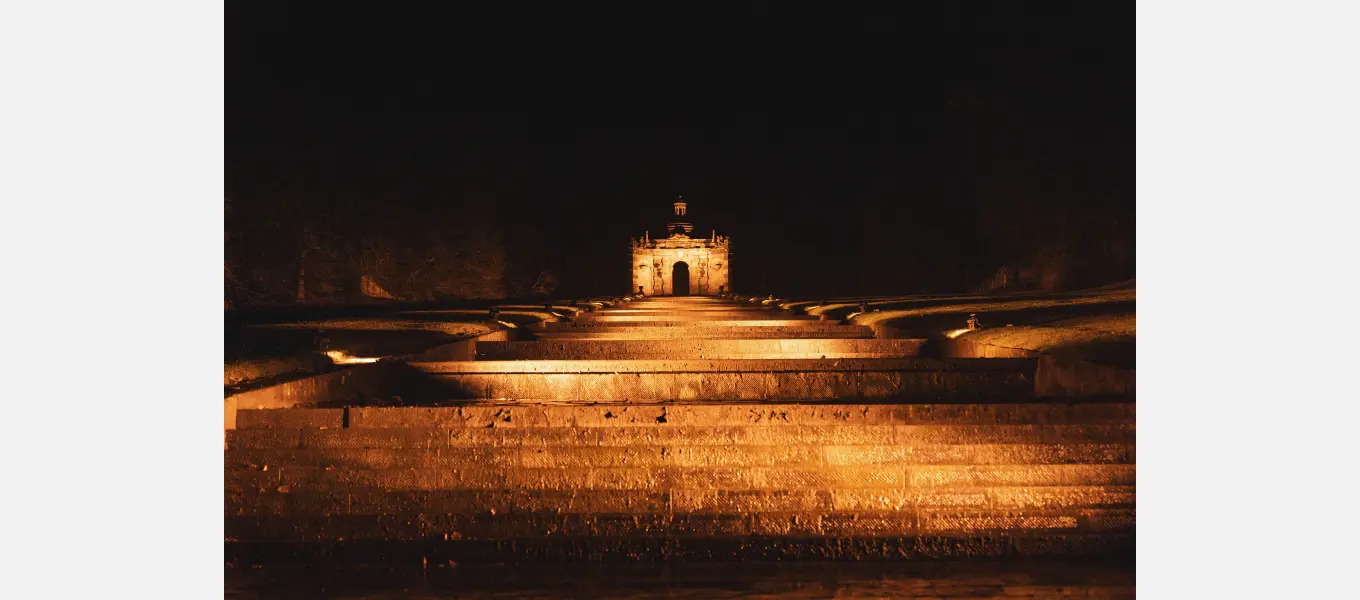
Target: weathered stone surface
734, 386
927, 366
1061, 496
577, 456
754, 501
1103, 520
462, 501
1065, 378
1064, 423
375, 438
974, 522
362, 417
1097, 544
510, 525
354, 379
748, 451
294, 479
291, 418
379, 458
709, 433
1019, 475
755, 456
773, 348
634, 549
970, 414
271, 502
716, 318
686, 321
264, 438
662, 332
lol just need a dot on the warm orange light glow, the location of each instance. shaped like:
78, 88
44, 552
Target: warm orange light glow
340, 358
507, 324
956, 333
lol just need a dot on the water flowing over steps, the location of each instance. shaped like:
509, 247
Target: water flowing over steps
727, 457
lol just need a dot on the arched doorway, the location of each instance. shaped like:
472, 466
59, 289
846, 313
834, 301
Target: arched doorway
680, 279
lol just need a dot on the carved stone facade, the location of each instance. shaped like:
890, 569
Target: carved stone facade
681, 265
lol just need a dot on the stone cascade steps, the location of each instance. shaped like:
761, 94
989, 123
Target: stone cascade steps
691, 429
905, 379
918, 480
774, 348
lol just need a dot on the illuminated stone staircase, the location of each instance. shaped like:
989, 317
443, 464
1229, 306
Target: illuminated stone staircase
689, 448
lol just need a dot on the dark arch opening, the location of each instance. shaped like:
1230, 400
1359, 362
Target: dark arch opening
680, 279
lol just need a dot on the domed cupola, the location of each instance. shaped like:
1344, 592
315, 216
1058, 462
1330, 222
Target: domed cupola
678, 227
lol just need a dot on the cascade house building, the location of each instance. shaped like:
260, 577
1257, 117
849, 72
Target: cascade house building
680, 265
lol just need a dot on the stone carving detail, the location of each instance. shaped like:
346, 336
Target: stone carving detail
700, 253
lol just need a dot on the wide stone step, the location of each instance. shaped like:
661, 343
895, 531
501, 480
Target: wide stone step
271, 502
677, 436
910, 379
826, 477
699, 309
698, 332
683, 456
522, 413
754, 367
412, 527
708, 317
673, 321
527, 413
747, 549
681, 301
699, 349
791, 324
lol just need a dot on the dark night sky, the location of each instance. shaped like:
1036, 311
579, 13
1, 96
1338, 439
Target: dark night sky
815, 137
